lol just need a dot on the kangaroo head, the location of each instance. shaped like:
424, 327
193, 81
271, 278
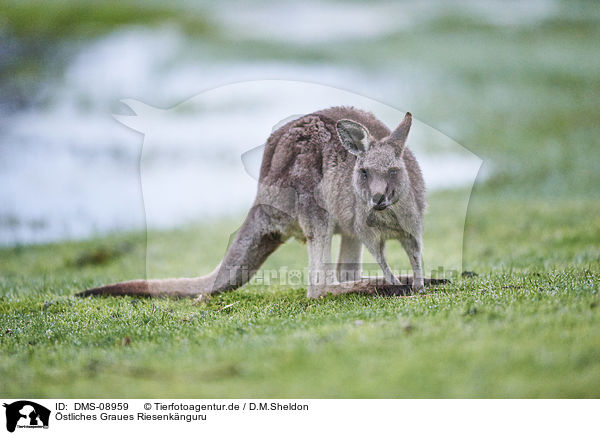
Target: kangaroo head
380, 178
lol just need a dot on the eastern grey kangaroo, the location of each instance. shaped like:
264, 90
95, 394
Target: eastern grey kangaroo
339, 170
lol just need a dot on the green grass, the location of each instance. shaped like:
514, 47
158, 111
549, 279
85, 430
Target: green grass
528, 325
513, 331
507, 336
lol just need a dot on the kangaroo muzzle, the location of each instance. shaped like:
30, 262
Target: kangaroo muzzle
379, 201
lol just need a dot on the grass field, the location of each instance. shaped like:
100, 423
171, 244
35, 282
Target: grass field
528, 325
513, 331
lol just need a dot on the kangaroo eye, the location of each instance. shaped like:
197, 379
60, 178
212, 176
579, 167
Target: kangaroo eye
393, 172
363, 173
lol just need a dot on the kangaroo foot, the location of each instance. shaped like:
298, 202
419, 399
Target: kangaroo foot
378, 286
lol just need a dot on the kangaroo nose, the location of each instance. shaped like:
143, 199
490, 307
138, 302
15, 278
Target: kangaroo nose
378, 198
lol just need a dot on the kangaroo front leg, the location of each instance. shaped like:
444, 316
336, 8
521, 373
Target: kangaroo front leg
412, 246
376, 248
321, 272
349, 260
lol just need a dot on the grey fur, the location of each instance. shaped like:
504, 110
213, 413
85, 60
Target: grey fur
339, 170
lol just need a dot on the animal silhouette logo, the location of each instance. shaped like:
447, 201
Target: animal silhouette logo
26, 414
184, 172
190, 158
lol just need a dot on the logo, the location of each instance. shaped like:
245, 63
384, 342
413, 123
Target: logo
26, 414
196, 171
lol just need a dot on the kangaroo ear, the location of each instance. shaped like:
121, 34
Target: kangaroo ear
401, 133
354, 136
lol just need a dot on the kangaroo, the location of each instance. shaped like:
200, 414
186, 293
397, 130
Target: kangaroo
335, 171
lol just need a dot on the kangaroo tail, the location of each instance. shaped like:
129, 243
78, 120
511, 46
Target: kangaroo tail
175, 287
258, 237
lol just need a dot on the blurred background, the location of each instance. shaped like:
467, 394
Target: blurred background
516, 83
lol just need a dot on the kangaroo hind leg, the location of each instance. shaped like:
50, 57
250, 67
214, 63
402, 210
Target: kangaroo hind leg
263, 231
